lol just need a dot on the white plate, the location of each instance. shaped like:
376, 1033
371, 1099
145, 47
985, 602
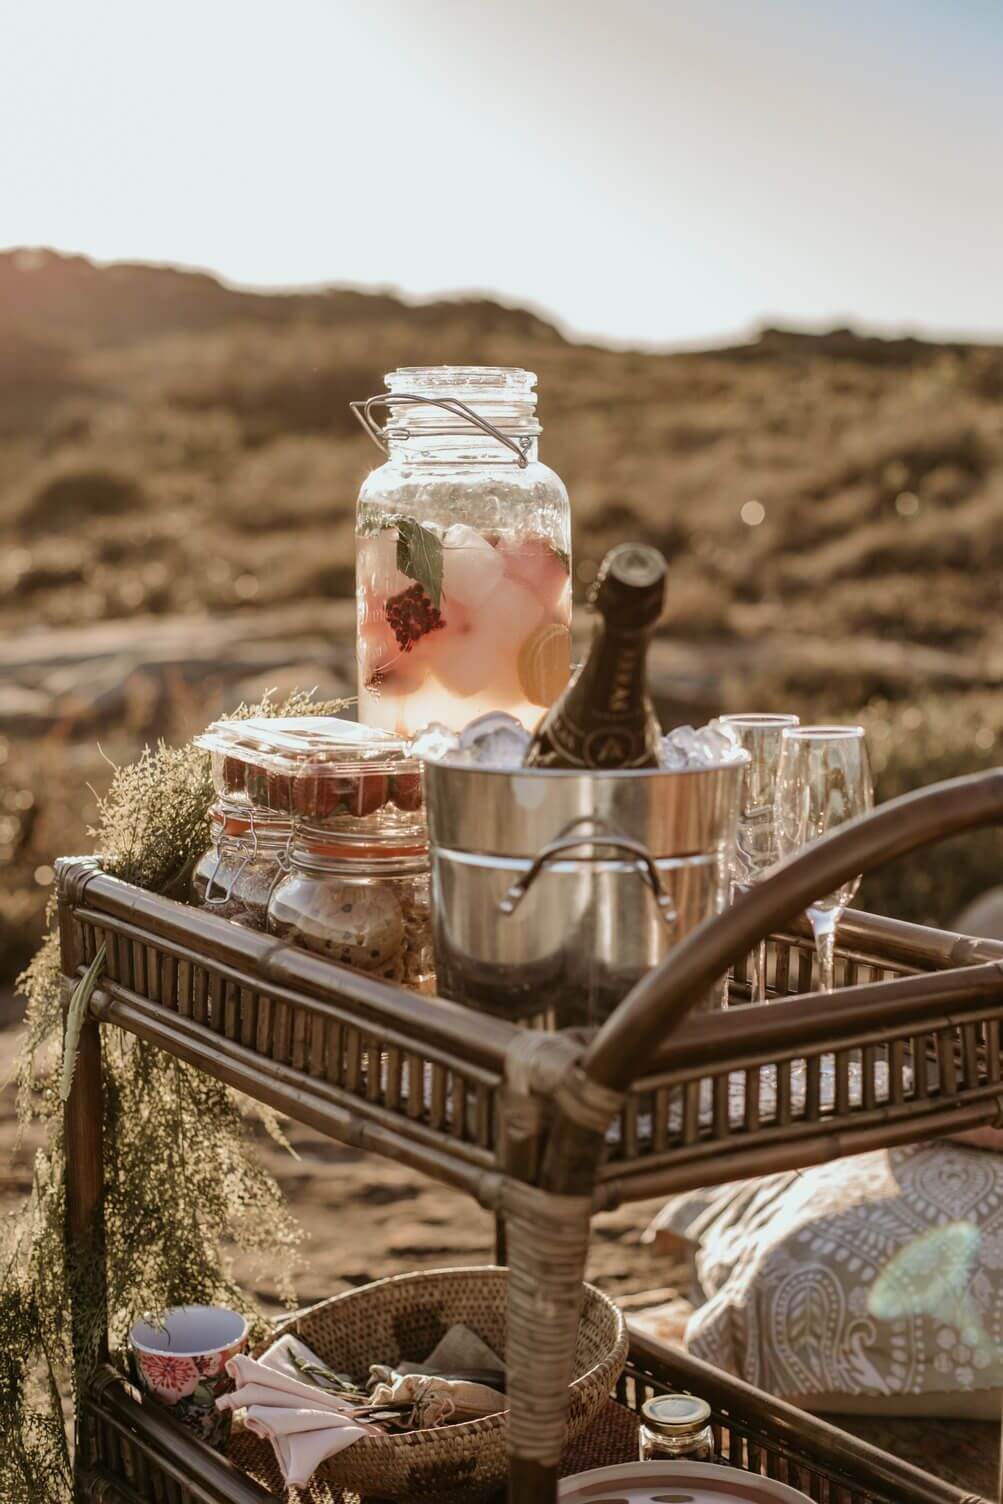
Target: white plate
675, 1483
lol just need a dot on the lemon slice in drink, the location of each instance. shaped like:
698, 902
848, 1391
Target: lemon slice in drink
545, 663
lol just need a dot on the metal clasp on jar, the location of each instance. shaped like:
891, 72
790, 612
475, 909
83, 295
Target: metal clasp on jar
380, 436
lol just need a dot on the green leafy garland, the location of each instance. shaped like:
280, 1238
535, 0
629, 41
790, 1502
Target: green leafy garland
183, 1185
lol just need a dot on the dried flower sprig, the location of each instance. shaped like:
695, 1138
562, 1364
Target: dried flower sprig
183, 1185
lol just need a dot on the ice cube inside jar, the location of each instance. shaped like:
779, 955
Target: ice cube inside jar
473, 651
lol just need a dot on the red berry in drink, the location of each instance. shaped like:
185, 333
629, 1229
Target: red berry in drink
412, 616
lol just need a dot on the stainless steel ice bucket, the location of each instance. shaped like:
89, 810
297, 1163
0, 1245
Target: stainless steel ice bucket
554, 891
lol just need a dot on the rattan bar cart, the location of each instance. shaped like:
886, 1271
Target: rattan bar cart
543, 1129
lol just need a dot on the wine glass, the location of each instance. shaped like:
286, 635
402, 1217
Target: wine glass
824, 780
756, 844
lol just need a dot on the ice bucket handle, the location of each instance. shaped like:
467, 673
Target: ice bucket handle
573, 837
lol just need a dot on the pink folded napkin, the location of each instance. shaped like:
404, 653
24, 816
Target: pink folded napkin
304, 1423
307, 1423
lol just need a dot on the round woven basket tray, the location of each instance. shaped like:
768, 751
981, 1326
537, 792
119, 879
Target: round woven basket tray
402, 1319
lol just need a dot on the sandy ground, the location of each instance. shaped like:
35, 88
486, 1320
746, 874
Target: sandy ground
365, 1218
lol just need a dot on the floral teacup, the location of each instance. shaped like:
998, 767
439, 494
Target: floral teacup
181, 1360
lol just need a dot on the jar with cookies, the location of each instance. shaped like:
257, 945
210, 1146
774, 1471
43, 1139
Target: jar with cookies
364, 904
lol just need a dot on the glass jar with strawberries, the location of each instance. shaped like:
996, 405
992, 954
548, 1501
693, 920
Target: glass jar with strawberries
463, 554
321, 769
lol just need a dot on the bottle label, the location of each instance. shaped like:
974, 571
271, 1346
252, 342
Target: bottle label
605, 718
601, 747
620, 695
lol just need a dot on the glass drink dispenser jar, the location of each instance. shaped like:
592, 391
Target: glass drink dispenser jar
463, 548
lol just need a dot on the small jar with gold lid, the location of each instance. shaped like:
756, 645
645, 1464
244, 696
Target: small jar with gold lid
675, 1426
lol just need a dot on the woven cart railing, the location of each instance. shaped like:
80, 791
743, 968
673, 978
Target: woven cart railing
542, 1128
950, 1010
137, 1456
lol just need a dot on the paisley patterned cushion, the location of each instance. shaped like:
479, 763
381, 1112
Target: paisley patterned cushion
880, 1275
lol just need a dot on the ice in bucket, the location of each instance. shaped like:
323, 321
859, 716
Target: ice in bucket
712, 745
434, 742
501, 741
495, 740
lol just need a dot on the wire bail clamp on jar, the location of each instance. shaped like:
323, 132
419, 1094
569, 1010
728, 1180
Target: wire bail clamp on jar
226, 843
381, 436
226, 890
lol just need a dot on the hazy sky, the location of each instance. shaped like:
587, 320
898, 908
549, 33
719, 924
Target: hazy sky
646, 170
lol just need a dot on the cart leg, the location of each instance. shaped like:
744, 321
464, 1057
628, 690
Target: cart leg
85, 1225
83, 1123
531, 1483
547, 1245
501, 1241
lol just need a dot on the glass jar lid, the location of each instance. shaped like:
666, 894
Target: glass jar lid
440, 402
675, 1414
243, 822
314, 846
503, 395
318, 744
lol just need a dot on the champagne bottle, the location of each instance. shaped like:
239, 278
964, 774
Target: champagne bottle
605, 718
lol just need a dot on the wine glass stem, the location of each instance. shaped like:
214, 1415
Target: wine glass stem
758, 988
824, 923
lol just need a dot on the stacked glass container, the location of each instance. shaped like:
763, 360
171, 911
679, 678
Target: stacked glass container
319, 836
246, 857
361, 904
334, 773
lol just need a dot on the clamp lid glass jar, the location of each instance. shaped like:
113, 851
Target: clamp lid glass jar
676, 1425
463, 554
360, 903
246, 857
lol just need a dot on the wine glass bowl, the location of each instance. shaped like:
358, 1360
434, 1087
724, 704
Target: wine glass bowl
756, 840
824, 780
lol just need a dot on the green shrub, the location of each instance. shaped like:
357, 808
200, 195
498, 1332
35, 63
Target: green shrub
924, 742
73, 496
22, 914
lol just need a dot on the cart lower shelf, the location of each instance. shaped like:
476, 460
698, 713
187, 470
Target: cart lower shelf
611, 1438
137, 1454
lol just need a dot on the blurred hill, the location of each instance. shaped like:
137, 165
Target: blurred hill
169, 444
179, 467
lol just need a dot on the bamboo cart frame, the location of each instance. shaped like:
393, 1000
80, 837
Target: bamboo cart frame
543, 1128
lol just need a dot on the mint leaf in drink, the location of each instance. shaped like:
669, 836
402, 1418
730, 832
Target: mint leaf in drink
419, 556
